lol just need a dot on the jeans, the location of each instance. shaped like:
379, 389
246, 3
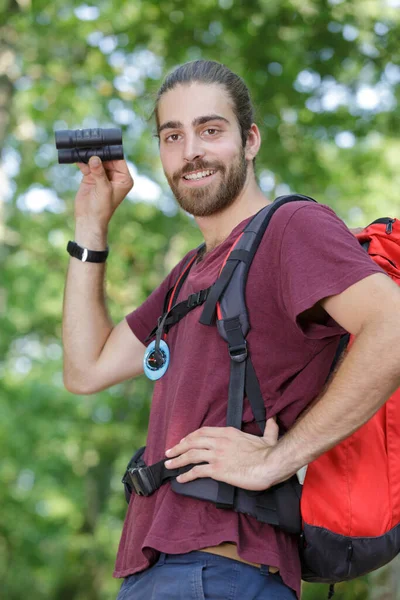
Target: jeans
204, 576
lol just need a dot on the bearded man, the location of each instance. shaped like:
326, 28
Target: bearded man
309, 282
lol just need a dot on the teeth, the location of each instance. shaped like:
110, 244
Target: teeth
200, 175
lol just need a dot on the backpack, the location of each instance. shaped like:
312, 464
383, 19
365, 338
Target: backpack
339, 537
350, 503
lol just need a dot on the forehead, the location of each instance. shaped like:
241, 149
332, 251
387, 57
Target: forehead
186, 102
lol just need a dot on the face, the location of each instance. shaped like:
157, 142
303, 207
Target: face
201, 148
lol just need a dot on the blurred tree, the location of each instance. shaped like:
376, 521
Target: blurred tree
324, 76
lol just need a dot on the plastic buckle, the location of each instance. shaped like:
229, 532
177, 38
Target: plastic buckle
194, 299
238, 353
138, 478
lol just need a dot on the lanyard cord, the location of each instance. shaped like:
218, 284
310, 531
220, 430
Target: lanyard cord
160, 333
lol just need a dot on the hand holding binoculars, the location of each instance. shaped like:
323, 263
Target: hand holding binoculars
80, 144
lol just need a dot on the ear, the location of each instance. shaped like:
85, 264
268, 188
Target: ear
253, 142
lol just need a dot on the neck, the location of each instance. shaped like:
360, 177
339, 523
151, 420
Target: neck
216, 228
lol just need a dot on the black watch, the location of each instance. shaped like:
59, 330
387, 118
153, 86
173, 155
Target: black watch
86, 255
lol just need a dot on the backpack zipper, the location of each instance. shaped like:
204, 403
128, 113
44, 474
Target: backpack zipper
389, 226
386, 221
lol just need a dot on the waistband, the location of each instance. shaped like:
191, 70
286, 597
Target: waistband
206, 557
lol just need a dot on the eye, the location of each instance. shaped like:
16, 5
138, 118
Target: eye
173, 137
211, 131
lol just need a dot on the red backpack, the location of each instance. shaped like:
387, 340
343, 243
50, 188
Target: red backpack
350, 503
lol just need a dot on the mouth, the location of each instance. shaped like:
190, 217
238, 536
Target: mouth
199, 177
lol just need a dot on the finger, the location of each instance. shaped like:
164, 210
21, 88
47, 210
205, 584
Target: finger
271, 432
189, 443
118, 166
98, 172
206, 437
84, 168
198, 472
188, 458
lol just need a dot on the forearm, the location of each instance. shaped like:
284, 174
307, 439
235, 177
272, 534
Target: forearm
86, 323
366, 378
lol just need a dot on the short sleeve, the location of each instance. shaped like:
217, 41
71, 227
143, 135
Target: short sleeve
144, 318
319, 257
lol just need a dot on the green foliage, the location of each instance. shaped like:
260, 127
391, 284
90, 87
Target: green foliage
323, 77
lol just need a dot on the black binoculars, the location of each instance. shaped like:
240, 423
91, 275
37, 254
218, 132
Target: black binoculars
80, 144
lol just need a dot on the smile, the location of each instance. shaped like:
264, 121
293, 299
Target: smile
199, 175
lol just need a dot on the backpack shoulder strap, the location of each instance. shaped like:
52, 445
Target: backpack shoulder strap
226, 298
226, 301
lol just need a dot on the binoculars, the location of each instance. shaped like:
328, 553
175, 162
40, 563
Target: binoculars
80, 144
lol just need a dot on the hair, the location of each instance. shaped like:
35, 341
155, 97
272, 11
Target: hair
212, 72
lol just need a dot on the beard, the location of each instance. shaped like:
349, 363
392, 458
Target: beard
206, 201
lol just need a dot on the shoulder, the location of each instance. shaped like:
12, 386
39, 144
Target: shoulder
310, 225
296, 213
304, 224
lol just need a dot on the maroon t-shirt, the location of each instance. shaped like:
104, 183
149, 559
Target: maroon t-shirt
306, 254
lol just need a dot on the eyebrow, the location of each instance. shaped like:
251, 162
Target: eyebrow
197, 121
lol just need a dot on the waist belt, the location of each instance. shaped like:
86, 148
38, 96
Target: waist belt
278, 506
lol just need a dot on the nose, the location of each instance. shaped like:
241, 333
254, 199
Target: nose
193, 149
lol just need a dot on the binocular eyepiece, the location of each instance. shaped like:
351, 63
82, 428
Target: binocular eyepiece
80, 144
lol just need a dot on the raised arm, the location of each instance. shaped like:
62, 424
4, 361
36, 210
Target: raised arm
97, 354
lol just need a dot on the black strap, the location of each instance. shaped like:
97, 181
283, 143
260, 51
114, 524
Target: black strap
365, 245
177, 312
236, 394
174, 292
226, 492
161, 474
237, 382
210, 307
187, 268
254, 396
342, 345
235, 337
145, 480
242, 255
157, 352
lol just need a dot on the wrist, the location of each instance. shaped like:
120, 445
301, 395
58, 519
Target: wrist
279, 466
91, 235
86, 254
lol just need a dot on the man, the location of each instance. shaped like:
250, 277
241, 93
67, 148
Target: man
308, 283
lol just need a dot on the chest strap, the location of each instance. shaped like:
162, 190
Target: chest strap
178, 311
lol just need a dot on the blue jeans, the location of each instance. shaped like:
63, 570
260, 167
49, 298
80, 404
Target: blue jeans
204, 576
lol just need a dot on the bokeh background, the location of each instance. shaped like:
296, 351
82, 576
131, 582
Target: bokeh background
324, 75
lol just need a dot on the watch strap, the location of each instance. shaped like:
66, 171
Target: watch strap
86, 255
